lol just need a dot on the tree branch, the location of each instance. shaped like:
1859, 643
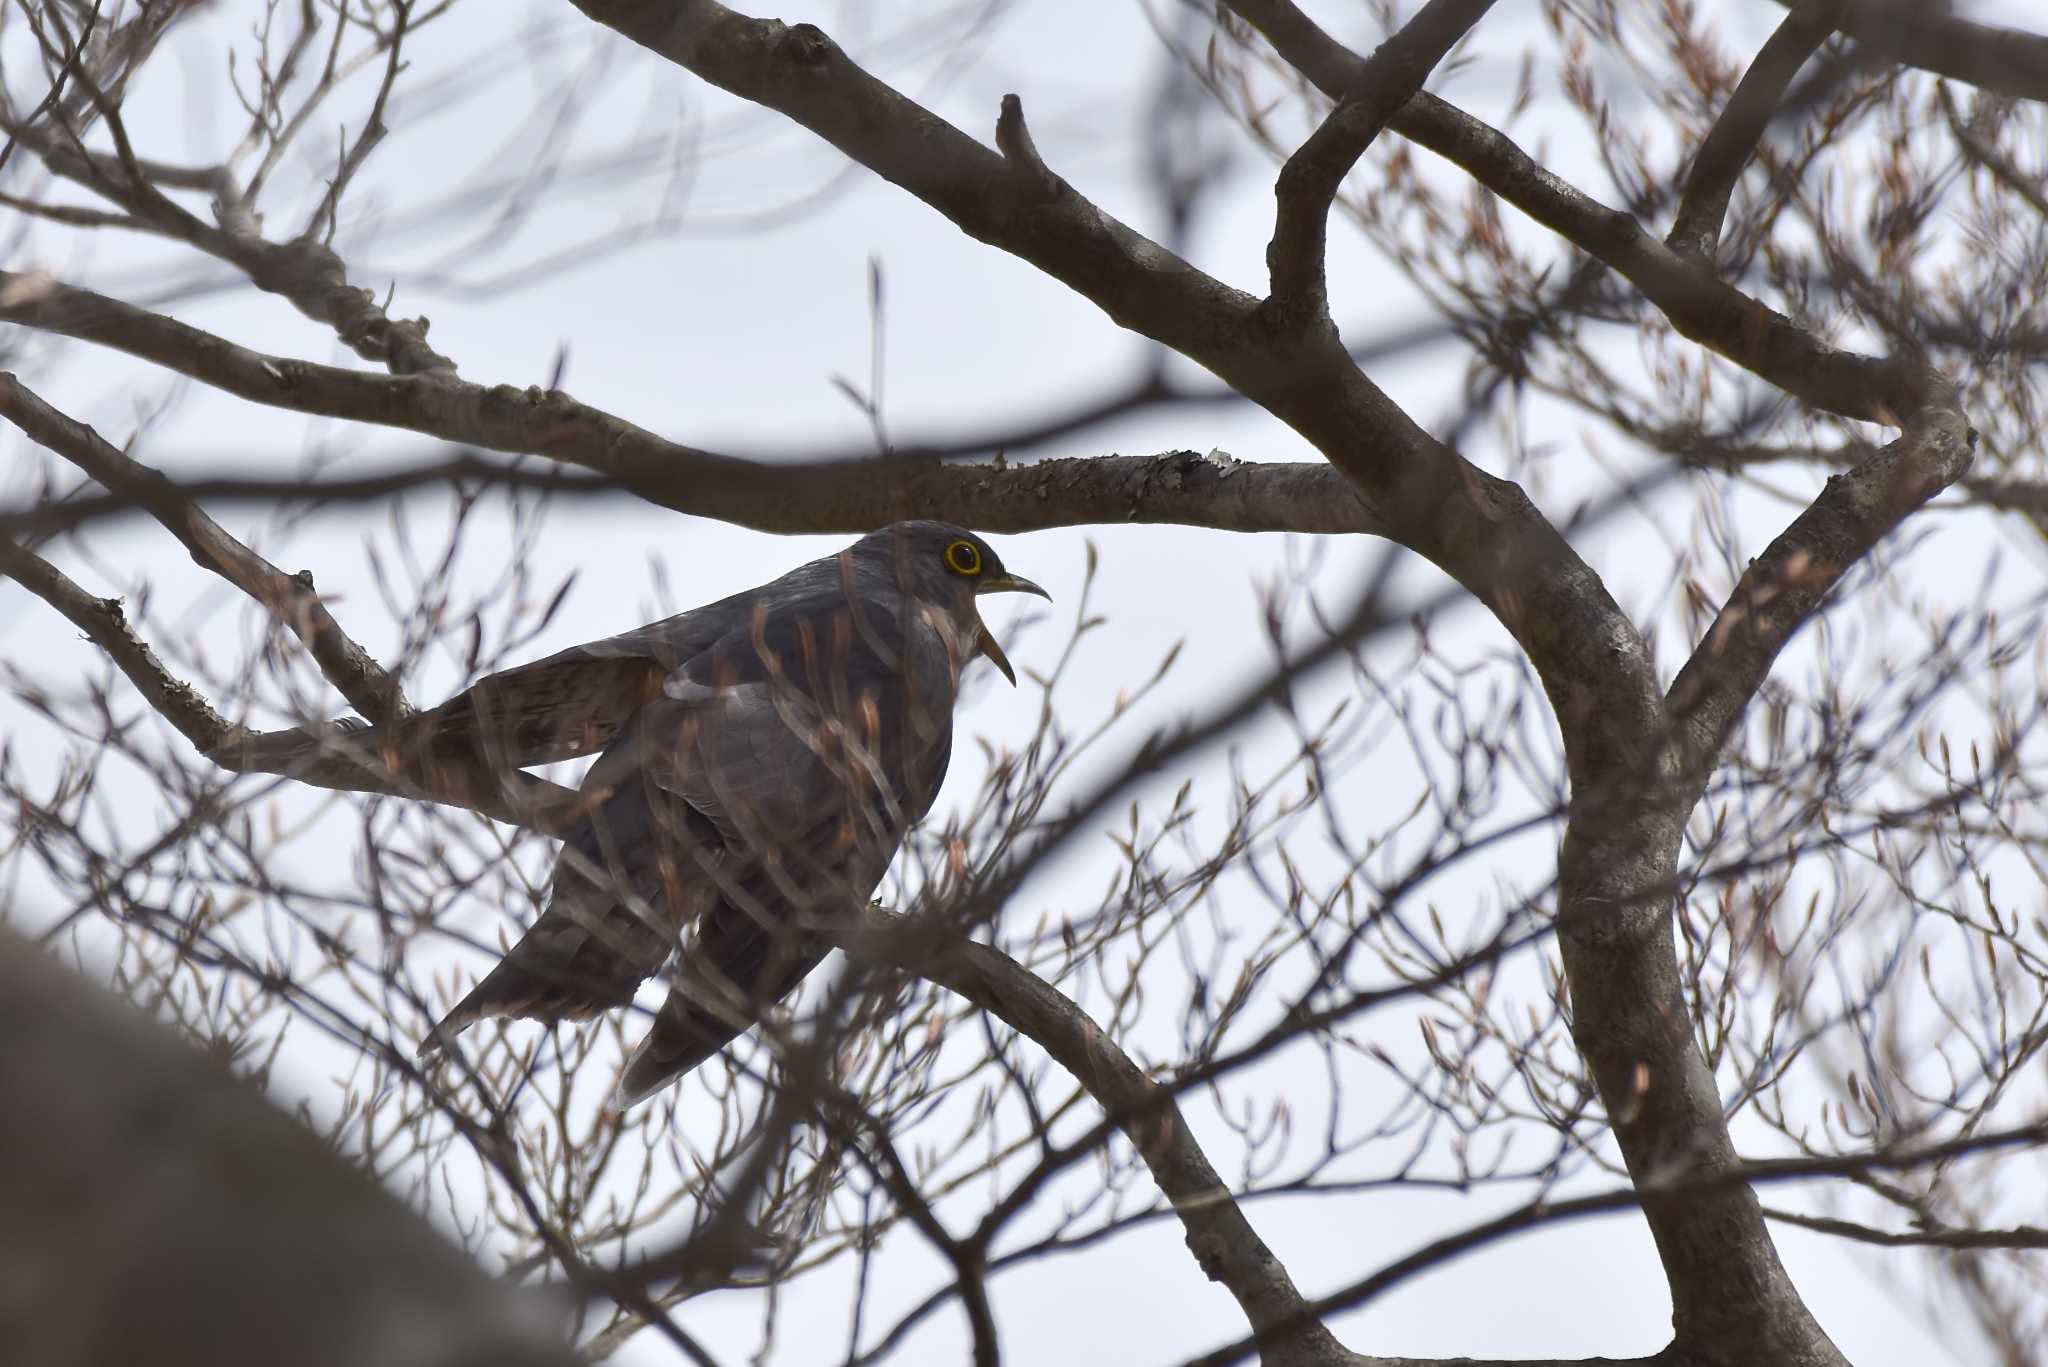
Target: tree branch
1541, 1212
1911, 33
1180, 487
1308, 182
305, 272
1703, 308
332, 757
289, 598
1734, 137
1228, 1249
2019, 1236
1784, 586
106, 625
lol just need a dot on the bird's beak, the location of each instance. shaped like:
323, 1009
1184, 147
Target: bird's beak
1002, 583
987, 642
1008, 583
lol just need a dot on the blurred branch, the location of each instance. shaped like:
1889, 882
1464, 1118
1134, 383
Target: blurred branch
2019, 1236
163, 1212
2009, 61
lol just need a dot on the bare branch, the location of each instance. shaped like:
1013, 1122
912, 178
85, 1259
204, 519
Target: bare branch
849, 495
1701, 306
1733, 139
289, 598
306, 272
2019, 1236
336, 758
103, 621
1310, 179
1784, 586
1229, 1250
2009, 61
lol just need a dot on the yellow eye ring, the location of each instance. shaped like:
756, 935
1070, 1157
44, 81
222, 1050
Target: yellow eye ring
963, 557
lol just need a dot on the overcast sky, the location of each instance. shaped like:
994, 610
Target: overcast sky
724, 329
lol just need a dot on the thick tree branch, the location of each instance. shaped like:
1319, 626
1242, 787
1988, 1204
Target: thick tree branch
158, 1210
1308, 183
1728, 1287
1916, 34
1183, 487
1615, 926
1783, 587
1700, 306
1733, 139
1180, 487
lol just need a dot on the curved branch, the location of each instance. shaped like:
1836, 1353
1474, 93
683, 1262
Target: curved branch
1700, 305
2009, 61
1228, 1249
1310, 180
1732, 140
1783, 587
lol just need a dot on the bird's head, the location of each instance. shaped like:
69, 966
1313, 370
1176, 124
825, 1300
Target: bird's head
950, 567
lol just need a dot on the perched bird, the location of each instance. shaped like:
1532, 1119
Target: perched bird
763, 758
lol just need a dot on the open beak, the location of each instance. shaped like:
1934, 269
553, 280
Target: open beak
1008, 583
1002, 583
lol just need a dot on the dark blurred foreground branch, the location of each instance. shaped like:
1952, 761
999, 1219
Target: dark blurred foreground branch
160, 1211
1916, 34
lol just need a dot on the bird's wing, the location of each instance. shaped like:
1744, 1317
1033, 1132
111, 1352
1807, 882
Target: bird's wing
732, 800
570, 703
796, 786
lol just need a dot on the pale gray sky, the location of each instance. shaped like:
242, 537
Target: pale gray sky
727, 337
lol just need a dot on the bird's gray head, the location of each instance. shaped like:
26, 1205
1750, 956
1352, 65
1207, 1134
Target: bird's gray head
946, 565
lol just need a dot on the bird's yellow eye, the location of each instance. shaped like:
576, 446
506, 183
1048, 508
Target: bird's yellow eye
963, 557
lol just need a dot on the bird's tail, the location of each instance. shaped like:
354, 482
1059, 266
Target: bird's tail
606, 928
726, 980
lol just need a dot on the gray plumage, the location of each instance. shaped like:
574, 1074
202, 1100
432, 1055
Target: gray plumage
766, 755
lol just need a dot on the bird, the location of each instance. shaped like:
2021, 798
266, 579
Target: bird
762, 759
